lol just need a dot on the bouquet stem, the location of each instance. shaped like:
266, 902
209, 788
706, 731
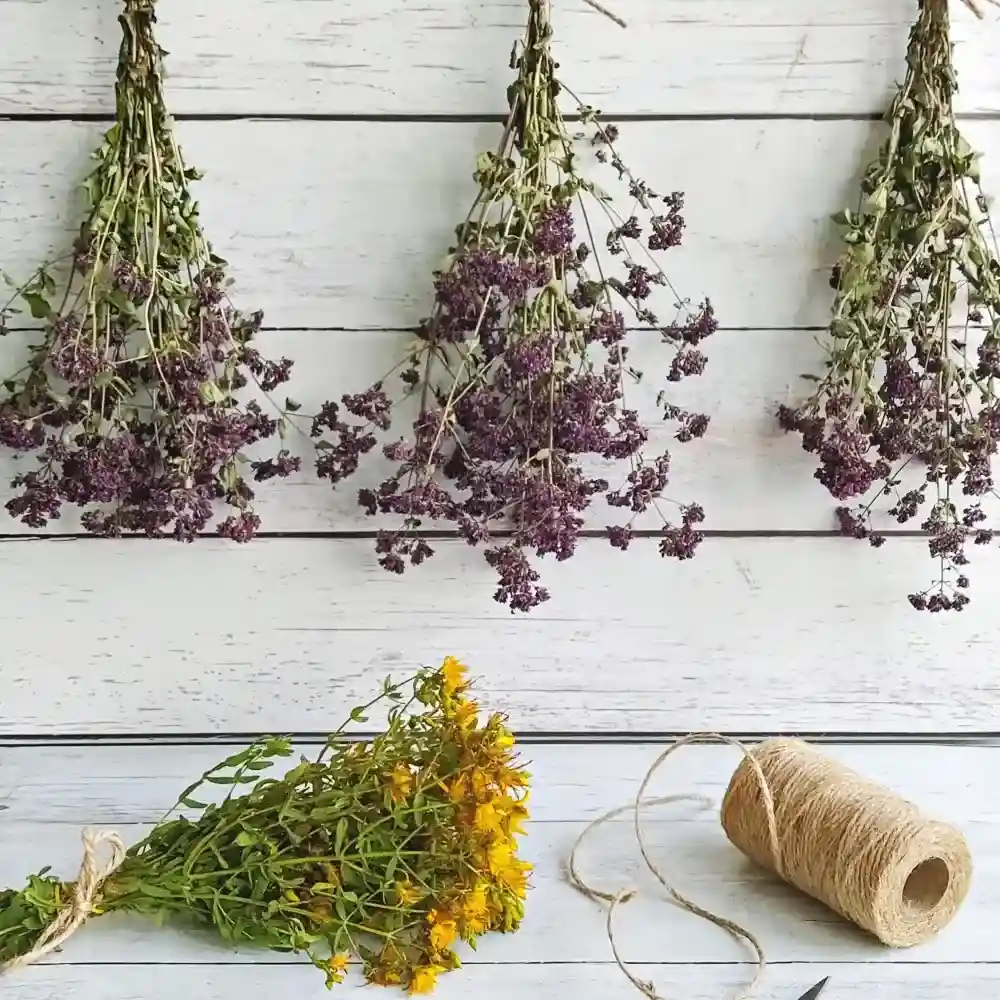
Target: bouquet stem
391, 851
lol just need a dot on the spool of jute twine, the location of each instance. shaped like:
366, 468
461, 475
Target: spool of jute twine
89, 880
868, 854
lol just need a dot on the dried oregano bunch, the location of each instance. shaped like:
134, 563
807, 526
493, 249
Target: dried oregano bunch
390, 851
904, 389
521, 369
128, 399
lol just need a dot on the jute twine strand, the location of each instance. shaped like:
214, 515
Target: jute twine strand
601, 9
974, 6
91, 877
623, 896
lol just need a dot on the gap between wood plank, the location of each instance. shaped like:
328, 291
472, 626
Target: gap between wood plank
983, 739
222, 116
414, 330
442, 536
28, 117
472, 961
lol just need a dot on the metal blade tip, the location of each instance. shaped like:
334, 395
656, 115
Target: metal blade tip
814, 992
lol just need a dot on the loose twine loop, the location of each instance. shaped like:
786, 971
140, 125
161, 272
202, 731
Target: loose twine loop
89, 880
623, 896
865, 852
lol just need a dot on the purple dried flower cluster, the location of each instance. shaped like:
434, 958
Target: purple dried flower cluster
128, 401
908, 408
521, 369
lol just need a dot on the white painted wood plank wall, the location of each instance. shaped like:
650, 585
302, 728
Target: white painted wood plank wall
703, 57
338, 138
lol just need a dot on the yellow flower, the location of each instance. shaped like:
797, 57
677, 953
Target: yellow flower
514, 875
508, 777
516, 813
401, 781
480, 782
453, 672
459, 789
499, 856
502, 740
465, 712
443, 932
477, 925
335, 967
384, 975
487, 818
506, 868
424, 978
516, 818
474, 909
407, 893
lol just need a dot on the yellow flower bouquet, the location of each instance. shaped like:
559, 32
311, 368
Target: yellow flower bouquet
390, 851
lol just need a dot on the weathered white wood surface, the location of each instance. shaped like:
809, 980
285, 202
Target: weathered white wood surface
450, 56
279, 197
339, 224
333, 228
116, 783
751, 635
590, 981
573, 785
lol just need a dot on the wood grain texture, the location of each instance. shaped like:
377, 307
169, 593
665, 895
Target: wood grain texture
450, 56
114, 784
333, 228
339, 225
591, 981
752, 635
333, 224
572, 785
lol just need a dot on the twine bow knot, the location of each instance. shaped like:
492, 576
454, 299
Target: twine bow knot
89, 880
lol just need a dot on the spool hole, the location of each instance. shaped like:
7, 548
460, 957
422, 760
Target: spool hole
926, 884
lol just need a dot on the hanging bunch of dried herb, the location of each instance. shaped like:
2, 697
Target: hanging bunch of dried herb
391, 851
128, 400
911, 387
521, 369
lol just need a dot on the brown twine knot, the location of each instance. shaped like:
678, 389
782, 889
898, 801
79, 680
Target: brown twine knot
88, 883
623, 896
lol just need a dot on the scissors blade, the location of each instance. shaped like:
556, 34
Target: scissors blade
814, 992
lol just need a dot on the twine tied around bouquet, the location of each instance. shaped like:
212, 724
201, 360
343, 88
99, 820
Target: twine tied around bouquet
89, 880
623, 896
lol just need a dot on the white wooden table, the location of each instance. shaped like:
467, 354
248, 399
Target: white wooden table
49, 792
338, 139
